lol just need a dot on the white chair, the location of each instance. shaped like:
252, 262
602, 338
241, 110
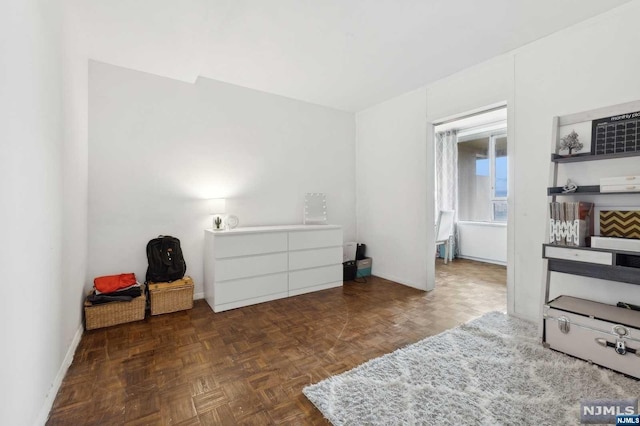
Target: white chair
444, 231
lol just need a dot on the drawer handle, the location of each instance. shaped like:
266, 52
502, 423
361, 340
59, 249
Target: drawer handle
631, 187
630, 178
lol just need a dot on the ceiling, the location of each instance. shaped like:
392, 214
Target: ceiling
345, 54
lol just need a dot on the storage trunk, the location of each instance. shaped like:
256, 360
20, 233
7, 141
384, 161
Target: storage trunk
171, 296
596, 332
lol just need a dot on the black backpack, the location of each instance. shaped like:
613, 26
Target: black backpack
165, 259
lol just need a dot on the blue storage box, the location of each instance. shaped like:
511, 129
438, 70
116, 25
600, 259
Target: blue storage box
364, 267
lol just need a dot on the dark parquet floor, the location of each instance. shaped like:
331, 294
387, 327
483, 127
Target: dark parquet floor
249, 365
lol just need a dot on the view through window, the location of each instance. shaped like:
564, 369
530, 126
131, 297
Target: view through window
482, 176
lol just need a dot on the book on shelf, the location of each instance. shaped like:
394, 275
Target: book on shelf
570, 223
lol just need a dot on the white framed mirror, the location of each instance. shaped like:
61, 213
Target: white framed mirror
315, 209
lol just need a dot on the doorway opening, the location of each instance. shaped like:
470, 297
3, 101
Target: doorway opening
472, 181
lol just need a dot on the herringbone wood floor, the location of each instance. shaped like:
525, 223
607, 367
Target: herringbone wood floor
249, 365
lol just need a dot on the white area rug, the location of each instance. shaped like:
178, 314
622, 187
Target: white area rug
491, 371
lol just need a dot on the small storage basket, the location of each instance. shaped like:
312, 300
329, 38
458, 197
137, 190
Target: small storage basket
171, 296
108, 314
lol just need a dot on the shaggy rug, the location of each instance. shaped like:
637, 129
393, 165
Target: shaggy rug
490, 371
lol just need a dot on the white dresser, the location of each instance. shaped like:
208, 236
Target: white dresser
251, 265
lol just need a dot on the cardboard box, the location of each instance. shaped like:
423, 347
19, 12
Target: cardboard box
171, 296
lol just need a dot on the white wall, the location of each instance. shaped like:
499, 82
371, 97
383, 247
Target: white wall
560, 74
158, 148
392, 205
483, 241
394, 155
39, 308
563, 74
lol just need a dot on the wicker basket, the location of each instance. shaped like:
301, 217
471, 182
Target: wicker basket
108, 314
172, 296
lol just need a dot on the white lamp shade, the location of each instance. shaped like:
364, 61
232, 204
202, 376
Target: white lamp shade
217, 206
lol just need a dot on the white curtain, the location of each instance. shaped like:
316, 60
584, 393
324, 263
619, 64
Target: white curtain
447, 176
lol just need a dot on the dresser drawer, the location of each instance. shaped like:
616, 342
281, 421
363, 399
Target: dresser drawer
576, 255
316, 276
315, 239
312, 258
250, 288
246, 245
243, 267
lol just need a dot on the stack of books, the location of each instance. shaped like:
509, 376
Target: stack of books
570, 224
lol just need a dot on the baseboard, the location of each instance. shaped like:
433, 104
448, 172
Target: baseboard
479, 259
397, 280
198, 296
55, 386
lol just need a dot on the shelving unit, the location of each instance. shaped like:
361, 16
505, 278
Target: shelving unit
605, 264
614, 265
557, 158
554, 191
584, 190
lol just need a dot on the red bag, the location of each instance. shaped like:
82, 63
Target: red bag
111, 283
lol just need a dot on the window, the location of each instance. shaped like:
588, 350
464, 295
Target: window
500, 166
482, 176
